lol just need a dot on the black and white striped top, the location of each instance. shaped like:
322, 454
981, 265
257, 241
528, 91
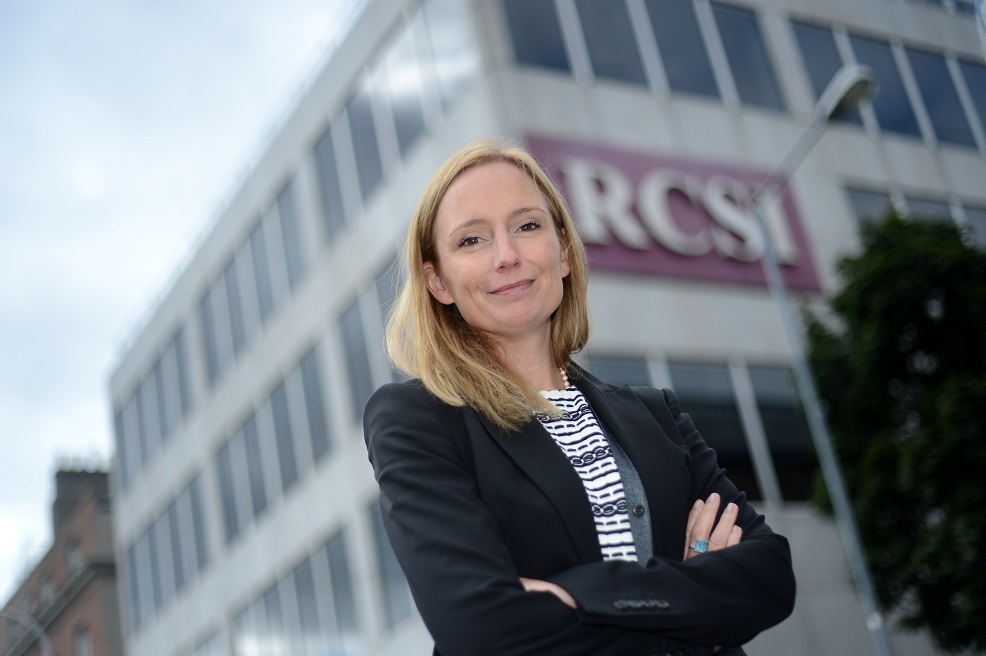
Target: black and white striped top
581, 439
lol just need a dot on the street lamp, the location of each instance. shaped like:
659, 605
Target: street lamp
850, 85
25, 618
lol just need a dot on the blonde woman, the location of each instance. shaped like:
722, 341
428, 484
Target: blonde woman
535, 509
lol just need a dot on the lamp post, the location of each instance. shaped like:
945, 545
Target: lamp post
850, 85
25, 618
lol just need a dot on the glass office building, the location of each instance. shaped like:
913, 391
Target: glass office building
246, 519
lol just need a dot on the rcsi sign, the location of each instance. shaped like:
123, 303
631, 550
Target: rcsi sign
673, 217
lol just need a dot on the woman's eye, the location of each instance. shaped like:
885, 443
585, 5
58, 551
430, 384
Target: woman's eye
468, 241
530, 225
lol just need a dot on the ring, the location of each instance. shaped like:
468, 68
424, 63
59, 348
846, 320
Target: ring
699, 546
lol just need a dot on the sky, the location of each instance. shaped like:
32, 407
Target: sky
123, 127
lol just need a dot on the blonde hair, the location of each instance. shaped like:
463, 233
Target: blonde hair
431, 341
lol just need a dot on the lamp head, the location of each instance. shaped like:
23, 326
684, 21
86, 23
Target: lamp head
850, 85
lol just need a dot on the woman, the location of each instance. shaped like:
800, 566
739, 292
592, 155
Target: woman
533, 508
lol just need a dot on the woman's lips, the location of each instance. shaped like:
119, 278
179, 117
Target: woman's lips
513, 287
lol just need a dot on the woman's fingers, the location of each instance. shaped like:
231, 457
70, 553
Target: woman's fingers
537, 585
702, 526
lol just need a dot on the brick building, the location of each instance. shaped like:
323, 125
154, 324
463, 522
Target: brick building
71, 593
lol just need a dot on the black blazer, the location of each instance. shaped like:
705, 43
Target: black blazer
470, 508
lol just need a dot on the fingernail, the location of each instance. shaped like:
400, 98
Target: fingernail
697, 504
731, 508
736, 529
713, 497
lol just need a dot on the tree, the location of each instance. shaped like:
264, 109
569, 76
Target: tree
901, 367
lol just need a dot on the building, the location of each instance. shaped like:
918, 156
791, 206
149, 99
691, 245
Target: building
246, 516
71, 594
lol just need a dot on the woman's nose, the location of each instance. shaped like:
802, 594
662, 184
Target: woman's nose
506, 253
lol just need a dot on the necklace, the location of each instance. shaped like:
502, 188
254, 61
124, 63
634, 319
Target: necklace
564, 378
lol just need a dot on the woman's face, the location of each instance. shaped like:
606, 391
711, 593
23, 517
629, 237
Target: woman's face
499, 256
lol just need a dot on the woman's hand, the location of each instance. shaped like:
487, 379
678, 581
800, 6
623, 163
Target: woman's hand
537, 585
700, 526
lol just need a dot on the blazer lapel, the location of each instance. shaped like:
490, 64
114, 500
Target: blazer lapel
656, 458
546, 465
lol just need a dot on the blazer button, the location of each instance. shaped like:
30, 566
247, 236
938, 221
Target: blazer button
621, 604
661, 604
639, 510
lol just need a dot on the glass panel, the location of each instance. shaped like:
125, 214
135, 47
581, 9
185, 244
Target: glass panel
822, 60
536, 33
246, 642
682, 49
347, 626
177, 556
261, 272
169, 391
940, 97
333, 214
610, 41
286, 459
706, 393
184, 386
150, 424
186, 536
133, 576
311, 380
453, 47
208, 330
246, 284
291, 239
869, 205
276, 643
891, 104
788, 437
255, 470
618, 370
83, 645
365, 148
394, 591
975, 80
164, 425
749, 61
313, 635
227, 492
235, 307
164, 560
357, 360
403, 85
198, 522
931, 209
120, 439
131, 432
976, 223
967, 7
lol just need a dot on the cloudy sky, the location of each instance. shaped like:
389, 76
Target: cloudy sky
123, 125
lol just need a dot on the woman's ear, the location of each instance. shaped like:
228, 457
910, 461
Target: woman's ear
435, 285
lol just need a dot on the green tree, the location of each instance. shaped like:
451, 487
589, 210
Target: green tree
901, 367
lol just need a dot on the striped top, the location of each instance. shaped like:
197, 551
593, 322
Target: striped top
581, 439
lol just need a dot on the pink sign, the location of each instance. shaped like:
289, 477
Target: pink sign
671, 216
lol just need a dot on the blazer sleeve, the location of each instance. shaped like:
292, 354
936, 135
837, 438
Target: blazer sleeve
462, 577
721, 598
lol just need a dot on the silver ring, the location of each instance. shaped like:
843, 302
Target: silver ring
699, 546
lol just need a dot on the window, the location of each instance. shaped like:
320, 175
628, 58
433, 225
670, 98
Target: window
706, 393
346, 624
254, 467
198, 524
291, 239
610, 41
287, 463
357, 359
619, 370
404, 85
453, 47
123, 451
82, 643
393, 586
163, 559
967, 7
940, 97
276, 636
891, 104
74, 557
361, 126
869, 205
242, 273
208, 328
682, 49
147, 414
178, 558
311, 381
786, 428
975, 81
181, 359
312, 633
333, 214
933, 209
536, 34
261, 273
47, 590
247, 637
227, 492
133, 587
822, 60
237, 326
748, 57
976, 223
169, 392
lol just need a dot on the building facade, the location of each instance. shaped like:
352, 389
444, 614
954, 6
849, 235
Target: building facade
71, 594
246, 510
